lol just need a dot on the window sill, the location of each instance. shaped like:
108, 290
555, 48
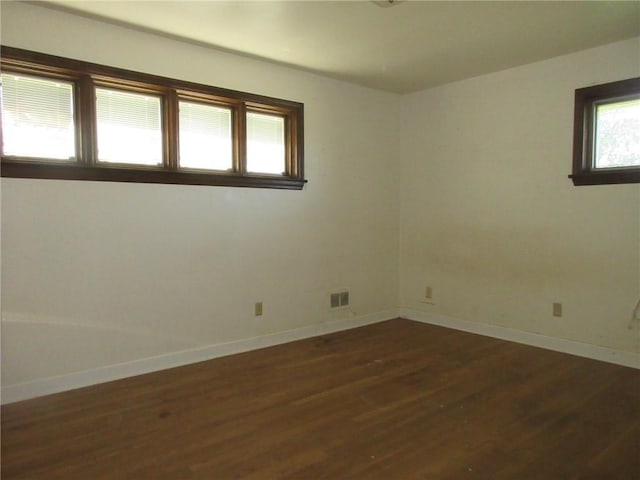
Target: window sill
17, 169
606, 178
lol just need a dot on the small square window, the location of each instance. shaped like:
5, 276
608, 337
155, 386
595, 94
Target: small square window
205, 137
129, 127
37, 108
606, 134
265, 143
617, 134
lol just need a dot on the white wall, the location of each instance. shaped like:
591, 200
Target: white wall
490, 220
97, 273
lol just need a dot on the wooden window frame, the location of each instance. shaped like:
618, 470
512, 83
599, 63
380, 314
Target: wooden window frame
586, 99
87, 76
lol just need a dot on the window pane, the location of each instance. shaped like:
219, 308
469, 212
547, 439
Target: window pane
617, 137
205, 137
37, 117
265, 143
129, 127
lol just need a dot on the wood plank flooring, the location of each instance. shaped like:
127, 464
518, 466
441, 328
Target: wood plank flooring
395, 400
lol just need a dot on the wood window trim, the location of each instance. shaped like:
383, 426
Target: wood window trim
87, 76
583, 172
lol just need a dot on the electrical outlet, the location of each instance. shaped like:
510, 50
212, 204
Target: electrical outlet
258, 309
557, 309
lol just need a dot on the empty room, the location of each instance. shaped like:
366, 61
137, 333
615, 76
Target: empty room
320, 240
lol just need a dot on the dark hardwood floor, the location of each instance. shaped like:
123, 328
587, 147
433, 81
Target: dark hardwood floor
395, 400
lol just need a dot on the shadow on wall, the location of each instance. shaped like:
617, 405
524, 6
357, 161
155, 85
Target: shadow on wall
53, 347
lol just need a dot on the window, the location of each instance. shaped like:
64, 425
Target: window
129, 127
37, 108
265, 143
606, 147
66, 119
205, 128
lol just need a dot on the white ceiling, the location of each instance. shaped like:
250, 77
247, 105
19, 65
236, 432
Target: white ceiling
402, 48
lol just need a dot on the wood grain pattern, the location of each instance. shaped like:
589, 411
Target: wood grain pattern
395, 400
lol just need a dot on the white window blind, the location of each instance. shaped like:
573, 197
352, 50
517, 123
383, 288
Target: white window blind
205, 137
37, 117
129, 127
265, 143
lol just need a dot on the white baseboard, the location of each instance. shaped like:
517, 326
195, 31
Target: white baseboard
627, 359
49, 385
61, 383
